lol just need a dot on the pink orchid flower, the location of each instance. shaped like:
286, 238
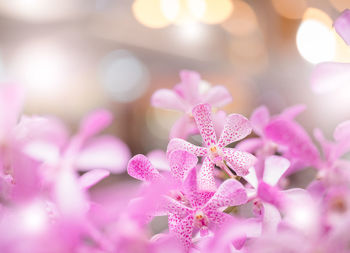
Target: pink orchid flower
185, 96
215, 152
328, 76
184, 220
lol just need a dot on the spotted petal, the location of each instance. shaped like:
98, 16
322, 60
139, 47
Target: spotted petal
230, 193
236, 128
181, 162
184, 230
180, 144
206, 181
140, 167
202, 116
239, 160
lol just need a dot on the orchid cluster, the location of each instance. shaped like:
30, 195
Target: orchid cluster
232, 193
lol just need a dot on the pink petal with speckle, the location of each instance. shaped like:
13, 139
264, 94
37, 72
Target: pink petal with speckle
230, 193
180, 144
167, 99
206, 181
342, 26
236, 128
275, 166
181, 162
239, 160
184, 230
217, 96
140, 167
218, 218
202, 116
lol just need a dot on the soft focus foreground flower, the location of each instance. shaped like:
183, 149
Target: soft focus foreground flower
185, 96
214, 152
328, 76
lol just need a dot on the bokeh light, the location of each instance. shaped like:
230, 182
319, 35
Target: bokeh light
292, 9
217, 11
315, 39
42, 67
124, 76
150, 13
243, 20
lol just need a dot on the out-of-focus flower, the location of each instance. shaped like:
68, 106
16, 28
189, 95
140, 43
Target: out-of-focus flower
328, 76
236, 128
185, 96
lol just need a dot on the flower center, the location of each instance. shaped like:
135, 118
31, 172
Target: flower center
201, 220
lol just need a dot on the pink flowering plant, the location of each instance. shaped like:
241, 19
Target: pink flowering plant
232, 193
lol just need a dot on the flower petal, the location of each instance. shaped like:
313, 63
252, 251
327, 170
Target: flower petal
92, 177
218, 218
275, 166
239, 160
184, 230
327, 76
167, 99
181, 162
95, 122
205, 180
291, 135
259, 119
202, 116
250, 145
183, 128
217, 96
140, 167
292, 111
189, 85
175, 207
157, 157
342, 26
104, 152
236, 128
230, 193
180, 144
251, 178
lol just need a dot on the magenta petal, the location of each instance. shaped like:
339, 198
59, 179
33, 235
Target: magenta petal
250, 145
202, 115
259, 119
293, 111
92, 177
104, 152
206, 181
342, 26
217, 96
184, 230
294, 137
236, 128
239, 160
140, 167
95, 122
180, 144
181, 162
183, 127
269, 194
230, 193
167, 99
275, 166
218, 218
190, 85
327, 76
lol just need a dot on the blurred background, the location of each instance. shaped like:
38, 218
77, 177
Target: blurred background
77, 55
